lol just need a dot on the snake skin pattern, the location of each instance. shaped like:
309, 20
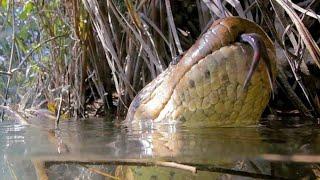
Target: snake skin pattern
206, 87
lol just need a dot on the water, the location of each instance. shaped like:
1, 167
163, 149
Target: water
81, 148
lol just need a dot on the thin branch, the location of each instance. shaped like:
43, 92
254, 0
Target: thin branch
292, 95
304, 11
59, 110
92, 7
98, 171
303, 31
154, 26
35, 48
215, 9
6, 73
173, 27
145, 46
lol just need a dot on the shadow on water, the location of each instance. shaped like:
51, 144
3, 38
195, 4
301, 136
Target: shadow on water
96, 148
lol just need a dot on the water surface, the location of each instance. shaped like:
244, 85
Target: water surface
37, 151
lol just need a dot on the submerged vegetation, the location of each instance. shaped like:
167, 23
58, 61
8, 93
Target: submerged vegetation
90, 58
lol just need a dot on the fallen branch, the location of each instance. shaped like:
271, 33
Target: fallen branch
127, 162
190, 167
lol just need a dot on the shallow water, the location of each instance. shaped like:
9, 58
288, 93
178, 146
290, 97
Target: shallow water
37, 151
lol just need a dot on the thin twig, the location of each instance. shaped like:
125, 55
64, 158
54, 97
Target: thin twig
113, 61
59, 110
146, 31
213, 8
294, 69
292, 95
304, 11
303, 31
6, 73
154, 26
145, 46
98, 171
35, 48
237, 6
173, 27
270, 23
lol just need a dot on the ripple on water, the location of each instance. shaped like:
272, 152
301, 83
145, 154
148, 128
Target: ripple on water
97, 140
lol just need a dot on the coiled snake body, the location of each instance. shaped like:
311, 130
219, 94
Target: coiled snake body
213, 84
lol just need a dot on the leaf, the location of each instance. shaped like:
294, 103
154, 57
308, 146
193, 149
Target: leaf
24, 32
52, 106
4, 4
27, 8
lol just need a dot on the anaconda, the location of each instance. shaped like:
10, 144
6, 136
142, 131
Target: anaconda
218, 82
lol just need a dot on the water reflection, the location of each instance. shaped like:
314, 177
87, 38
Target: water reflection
223, 153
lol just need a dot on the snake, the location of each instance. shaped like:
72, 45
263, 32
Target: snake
224, 80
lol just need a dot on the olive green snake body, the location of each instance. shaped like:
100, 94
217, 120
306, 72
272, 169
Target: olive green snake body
218, 82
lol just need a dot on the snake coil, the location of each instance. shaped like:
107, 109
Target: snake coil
216, 82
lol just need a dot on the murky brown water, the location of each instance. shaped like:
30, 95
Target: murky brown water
28, 152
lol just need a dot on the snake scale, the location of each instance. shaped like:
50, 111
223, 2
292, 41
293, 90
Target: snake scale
218, 82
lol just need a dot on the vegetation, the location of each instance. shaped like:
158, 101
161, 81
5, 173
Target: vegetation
90, 58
